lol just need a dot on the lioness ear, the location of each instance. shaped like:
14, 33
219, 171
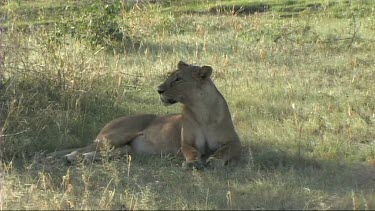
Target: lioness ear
204, 73
181, 64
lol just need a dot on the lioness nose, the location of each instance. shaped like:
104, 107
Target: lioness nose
160, 90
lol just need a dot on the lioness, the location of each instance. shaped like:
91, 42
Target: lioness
203, 129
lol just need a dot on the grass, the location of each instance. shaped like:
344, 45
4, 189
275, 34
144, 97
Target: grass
299, 86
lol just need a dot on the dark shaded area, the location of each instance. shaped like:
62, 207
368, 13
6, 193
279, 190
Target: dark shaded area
51, 116
285, 9
359, 175
296, 172
241, 9
2, 85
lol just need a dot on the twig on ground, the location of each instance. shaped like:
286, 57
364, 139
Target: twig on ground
355, 31
13, 134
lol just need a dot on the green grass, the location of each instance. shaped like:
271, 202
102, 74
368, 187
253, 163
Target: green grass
299, 84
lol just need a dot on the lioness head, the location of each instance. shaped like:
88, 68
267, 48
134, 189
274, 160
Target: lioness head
184, 84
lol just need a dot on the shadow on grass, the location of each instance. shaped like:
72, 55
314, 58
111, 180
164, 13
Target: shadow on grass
284, 9
328, 176
266, 178
77, 129
139, 47
332, 176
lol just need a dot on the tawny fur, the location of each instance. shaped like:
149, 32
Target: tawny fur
203, 129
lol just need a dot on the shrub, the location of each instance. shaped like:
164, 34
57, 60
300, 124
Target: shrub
98, 23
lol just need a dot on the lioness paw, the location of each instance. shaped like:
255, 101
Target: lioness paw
189, 165
215, 162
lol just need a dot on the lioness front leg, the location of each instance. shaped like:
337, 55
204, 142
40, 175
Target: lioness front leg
230, 152
192, 157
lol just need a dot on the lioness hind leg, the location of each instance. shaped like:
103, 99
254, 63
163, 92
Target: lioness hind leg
77, 154
110, 154
97, 150
90, 157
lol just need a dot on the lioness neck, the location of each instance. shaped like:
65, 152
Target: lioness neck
209, 108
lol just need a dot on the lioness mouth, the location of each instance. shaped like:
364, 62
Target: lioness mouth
168, 101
